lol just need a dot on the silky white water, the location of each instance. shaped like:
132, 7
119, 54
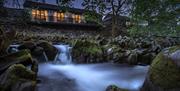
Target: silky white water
66, 76
95, 77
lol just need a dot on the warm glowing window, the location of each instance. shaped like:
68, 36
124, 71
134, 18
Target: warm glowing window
59, 16
40, 15
77, 18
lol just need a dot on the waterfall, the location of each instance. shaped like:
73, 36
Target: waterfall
64, 54
45, 57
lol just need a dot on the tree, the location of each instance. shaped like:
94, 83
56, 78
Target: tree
65, 3
116, 8
94, 10
113, 7
1, 3
159, 14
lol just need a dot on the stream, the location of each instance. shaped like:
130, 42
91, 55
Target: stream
63, 75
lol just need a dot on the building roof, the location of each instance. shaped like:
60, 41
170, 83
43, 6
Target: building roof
108, 17
40, 5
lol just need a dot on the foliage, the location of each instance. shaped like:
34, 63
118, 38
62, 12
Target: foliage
1, 3
2, 10
94, 5
25, 18
113, 7
65, 3
161, 16
144, 31
6, 39
92, 17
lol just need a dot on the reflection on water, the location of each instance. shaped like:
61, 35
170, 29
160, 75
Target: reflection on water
90, 77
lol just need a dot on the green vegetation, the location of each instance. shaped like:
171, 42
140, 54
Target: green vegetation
164, 72
159, 17
92, 17
87, 47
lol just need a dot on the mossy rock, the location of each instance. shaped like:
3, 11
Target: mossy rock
85, 46
18, 77
19, 71
164, 72
27, 45
49, 49
22, 56
115, 88
85, 51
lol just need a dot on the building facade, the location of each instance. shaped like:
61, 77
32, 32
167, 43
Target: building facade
44, 12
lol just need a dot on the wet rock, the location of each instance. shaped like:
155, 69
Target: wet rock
38, 51
115, 88
146, 58
23, 57
27, 45
49, 49
133, 58
17, 78
164, 72
86, 52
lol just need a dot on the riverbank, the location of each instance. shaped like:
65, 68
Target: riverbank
87, 48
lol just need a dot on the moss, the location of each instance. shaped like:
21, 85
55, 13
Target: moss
18, 74
18, 71
23, 54
164, 72
84, 46
173, 49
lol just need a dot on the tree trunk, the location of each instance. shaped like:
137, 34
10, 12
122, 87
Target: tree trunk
113, 25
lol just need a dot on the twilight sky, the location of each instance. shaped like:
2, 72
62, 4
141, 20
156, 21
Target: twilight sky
76, 3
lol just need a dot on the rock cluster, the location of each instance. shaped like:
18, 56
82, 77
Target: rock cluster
119, 50
87, 52
14, 74
39, 49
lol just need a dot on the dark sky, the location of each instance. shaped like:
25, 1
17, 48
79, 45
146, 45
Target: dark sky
76, 3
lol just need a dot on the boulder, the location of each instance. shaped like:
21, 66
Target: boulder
164, 72
27, 45
85, 51
38, 51
146, 58
49, 49
115, 88
23, 57
17, 78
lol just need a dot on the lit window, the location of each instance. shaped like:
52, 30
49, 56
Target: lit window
60, 16
41, 15
77, 18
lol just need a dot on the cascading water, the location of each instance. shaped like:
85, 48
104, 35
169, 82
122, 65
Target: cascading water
87, 77
64, 55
